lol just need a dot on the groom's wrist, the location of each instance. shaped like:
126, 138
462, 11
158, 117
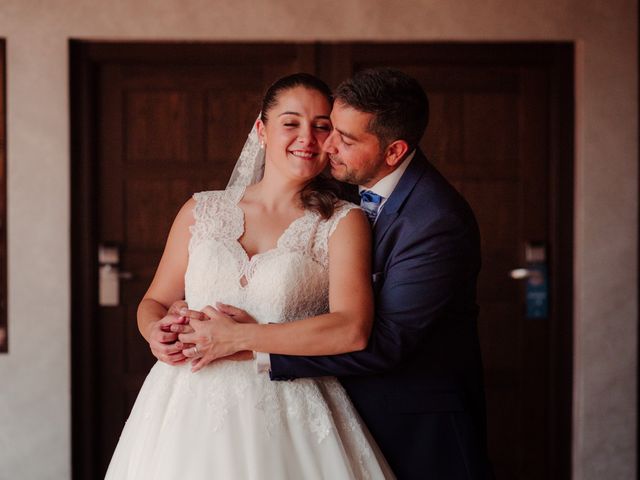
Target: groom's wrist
244, 336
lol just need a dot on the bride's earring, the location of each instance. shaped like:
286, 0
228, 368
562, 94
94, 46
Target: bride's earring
261, 145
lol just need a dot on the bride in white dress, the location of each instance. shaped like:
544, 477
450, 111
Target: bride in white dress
279, 245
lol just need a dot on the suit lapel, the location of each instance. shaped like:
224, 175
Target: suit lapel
392, 206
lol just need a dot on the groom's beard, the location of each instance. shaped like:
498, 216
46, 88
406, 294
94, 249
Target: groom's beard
361, 176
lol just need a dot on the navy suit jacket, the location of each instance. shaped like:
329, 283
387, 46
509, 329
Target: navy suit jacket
418, 384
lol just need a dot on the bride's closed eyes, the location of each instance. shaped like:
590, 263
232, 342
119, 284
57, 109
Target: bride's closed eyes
326, 127
323, 126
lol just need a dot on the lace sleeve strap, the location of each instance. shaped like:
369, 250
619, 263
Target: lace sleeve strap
199, 209
340, 212
213, 217
321, 248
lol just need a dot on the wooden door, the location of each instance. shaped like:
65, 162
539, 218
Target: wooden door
496, 132
165, 128
158, 122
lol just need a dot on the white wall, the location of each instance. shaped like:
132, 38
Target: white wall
35, 397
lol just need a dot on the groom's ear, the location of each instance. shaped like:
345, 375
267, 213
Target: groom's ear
395, 152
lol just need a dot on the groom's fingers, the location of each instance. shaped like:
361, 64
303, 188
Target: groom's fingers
236, 313
187, 337
177, 347
192, 314
210, 312
176, 307
191, 352
198, 364
181, 328
229, 309
176, 358
195, 365
215, 314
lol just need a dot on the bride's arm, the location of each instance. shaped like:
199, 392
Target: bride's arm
345, 328
154, 316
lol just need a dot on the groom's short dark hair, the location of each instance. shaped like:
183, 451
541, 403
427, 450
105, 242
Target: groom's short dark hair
398, 103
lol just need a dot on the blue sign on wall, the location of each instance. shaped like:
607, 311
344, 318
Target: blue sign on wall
537, 291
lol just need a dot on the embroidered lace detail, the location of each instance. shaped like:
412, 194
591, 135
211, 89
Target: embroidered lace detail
346, 419
320, 249
215, 217
287, 283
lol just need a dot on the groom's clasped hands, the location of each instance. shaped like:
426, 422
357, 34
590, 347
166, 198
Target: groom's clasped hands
207, 335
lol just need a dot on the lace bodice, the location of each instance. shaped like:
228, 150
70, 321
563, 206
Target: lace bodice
288, 282
237, 417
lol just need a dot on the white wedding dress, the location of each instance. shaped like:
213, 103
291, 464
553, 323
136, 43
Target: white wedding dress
227, 421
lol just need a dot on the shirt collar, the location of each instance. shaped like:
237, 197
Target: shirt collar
386, 185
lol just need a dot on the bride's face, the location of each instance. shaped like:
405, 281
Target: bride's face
297, 126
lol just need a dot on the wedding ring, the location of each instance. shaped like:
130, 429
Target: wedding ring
195, 349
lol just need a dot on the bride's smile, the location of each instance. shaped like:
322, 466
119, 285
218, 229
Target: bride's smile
303, 154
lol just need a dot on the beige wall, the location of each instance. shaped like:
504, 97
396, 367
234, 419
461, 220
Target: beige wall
35, 407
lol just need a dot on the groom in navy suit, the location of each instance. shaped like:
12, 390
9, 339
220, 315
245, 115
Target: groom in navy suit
418, 385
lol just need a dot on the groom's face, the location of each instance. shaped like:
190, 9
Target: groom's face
355, 154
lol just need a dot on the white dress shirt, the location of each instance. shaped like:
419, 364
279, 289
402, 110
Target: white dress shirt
384, 187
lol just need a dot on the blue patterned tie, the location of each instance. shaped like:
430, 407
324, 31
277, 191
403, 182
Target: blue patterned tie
370, 203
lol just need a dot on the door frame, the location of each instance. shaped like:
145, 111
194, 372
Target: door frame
85, 59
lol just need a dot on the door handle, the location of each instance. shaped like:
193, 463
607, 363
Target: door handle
537, 281
520, 273
125, 275
110, 275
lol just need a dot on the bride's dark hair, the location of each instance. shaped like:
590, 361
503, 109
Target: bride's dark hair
320, 194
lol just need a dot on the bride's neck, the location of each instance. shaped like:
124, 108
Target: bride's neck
276, 192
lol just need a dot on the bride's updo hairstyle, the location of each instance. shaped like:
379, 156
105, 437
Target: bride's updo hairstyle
320, 194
